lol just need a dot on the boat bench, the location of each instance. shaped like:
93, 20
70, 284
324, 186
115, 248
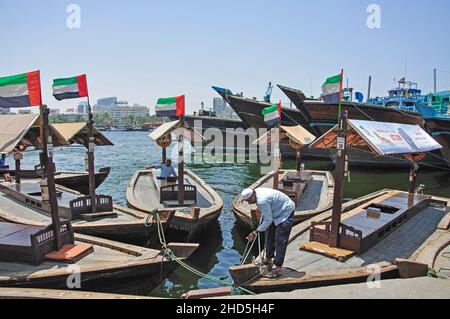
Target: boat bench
359, 230
30, 244
293, 184
82, 206
169, 195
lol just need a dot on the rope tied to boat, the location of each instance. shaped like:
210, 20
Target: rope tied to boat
172, 257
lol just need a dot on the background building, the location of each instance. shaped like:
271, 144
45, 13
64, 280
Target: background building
83, 107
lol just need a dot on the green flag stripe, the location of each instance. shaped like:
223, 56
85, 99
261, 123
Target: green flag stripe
333, 80
65, 81
14, 79
167, 100
270, 109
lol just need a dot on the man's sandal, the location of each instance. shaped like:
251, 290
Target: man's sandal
271, 274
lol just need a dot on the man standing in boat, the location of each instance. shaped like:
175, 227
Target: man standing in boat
277, 211
167, 170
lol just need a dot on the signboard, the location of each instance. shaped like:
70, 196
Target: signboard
394, 138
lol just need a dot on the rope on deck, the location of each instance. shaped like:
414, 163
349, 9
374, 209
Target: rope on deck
170, 254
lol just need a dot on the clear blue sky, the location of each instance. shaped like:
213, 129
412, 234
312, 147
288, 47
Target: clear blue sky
142, 50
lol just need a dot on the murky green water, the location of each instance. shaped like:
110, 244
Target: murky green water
222, 245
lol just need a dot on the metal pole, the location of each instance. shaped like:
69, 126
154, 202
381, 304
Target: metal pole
368, 89
434, 75
181, 162
412, 178
17, 157
47, 155
91, 160
339, 180
277, 159
299, 159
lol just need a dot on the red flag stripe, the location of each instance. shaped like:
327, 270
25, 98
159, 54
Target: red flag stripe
180, 105
82, 85
34, 88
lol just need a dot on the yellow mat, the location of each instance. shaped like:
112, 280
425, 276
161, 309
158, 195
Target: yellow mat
323, 249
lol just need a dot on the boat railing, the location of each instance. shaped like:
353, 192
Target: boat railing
82, 205
170, 193
42, 242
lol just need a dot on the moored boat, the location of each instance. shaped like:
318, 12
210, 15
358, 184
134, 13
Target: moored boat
107, 268
425, 233
23, 204
311, 191
321, 116
78, 181
194, 203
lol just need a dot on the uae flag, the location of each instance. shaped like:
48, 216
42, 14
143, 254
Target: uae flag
70, 88
331, 89
272, 115
171, 106
20, 90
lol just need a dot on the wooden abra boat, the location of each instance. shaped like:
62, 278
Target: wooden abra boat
107, 265
311, 191
78, 181
377, 235
22, 203
199, 205
313, 195
415, 228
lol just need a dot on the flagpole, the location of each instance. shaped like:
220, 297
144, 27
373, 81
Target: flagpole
181, 162
340, 93
91, 159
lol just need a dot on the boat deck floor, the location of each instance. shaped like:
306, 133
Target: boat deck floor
315, 190
401, 243
146, 192
22, 211
17, 235
101, 255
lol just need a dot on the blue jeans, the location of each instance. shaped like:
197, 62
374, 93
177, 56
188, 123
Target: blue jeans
277, 239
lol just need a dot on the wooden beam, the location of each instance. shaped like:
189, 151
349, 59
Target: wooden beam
339, 180
181, 162
91, 160
47, 156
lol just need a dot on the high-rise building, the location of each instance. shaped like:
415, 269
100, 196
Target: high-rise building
83, 107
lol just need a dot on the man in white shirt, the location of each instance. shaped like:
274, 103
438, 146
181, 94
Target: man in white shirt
277, 211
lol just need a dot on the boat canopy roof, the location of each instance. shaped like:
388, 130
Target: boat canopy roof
381, 138
20, 131
167, 128
296, 134
78, 133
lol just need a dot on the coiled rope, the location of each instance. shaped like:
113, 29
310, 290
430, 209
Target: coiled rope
154, 216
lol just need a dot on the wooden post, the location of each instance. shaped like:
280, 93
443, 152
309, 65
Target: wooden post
47, 156
181, 162
17, 158
299, 160
339, 180
277, 158
91, 160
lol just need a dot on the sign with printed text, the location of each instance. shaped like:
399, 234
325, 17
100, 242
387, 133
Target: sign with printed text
395, 138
